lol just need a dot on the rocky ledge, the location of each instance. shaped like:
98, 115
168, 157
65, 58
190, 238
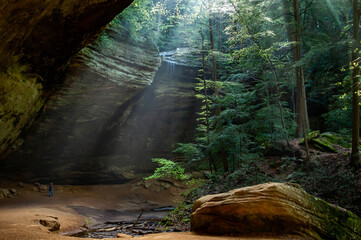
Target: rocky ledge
275, 209
38, 38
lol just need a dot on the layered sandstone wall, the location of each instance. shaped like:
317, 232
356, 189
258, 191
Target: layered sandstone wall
38, 38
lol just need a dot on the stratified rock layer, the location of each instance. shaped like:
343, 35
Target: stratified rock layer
37, 40
46, 34
118, 108
276, 209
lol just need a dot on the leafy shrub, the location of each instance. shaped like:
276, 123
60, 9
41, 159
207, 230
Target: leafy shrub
169, 169
180, 217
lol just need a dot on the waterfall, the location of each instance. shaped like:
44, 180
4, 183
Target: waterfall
170, 67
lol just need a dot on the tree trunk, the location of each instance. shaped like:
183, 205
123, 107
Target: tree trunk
214, 79
355, 155
211, 39
219, 32
295, 36
302, 116
274, 73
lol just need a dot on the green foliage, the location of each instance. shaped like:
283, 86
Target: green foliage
338, 117
190, 151
179, 218
255, 70
334, 182
167, 169
88, 222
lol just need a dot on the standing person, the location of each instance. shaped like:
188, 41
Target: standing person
51, 193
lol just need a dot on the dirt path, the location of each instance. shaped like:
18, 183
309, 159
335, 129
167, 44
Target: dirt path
72, 205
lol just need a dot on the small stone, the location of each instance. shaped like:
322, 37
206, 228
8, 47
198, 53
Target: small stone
43, 188
53, 225
37, 184
197, 175
34, 189
128, 175
166, 186
134, 188
5, 193
13, 192
147, 184
207, 174
21, 184
157, 183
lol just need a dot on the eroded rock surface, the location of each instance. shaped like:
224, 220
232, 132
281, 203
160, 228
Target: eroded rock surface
51, 223
45, 34
276, 209
37, 40
119, 107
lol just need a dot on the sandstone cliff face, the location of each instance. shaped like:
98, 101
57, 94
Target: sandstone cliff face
114, 113
47, 33
37, 40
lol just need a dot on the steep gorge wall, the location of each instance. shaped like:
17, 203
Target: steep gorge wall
105, 80
114, 113
38, 38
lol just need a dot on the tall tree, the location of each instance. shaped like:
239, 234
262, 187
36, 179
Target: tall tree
214, 79
254, 37
211, 162
295, 37
355, 155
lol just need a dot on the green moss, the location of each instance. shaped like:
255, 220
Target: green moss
322, 141
325, 221
332, 137
336, 222
20, 101
323, 144
310, 136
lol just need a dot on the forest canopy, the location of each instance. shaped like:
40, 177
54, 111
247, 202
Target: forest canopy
270, 71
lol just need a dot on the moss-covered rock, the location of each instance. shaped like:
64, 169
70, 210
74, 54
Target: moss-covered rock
322, 141
20, 101
323, 144
276, 209
311, 136
332, 137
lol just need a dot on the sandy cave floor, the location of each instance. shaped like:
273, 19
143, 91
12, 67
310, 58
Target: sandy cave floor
71, 205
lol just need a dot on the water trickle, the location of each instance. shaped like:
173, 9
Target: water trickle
171, 67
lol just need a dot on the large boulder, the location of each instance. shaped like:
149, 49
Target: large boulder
273, 208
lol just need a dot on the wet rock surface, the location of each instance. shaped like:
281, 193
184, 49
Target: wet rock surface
276, 209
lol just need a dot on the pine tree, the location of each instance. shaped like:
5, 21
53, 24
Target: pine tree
355, 154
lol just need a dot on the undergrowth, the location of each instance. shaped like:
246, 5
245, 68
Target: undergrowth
327, 176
